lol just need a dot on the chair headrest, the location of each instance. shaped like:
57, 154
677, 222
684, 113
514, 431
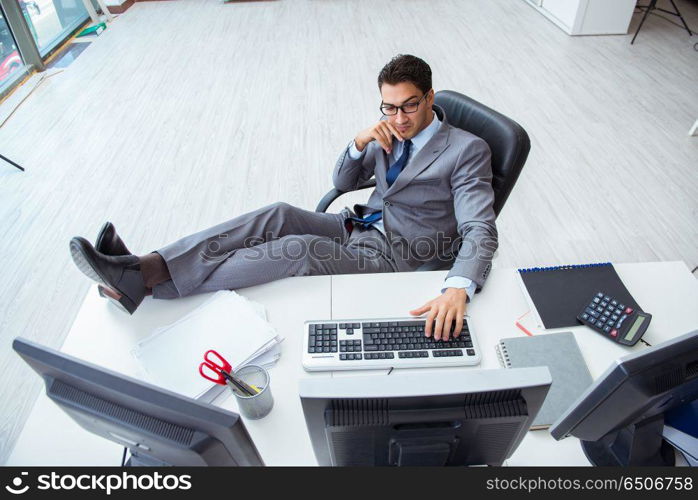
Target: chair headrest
508, 141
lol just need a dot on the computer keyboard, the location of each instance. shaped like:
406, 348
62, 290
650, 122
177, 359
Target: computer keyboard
383, 343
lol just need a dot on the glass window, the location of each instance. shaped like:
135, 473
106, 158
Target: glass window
10, 60
50, 21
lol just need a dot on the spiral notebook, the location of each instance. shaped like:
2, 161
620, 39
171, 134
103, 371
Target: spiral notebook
556, 295
561, 354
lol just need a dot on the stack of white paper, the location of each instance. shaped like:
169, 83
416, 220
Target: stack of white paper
228, 323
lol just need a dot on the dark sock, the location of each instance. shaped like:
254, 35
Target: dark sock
153, 269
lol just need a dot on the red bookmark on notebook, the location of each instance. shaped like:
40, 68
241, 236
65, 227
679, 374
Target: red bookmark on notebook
520, 326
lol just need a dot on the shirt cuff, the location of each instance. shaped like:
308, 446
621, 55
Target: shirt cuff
354, 153
460, 282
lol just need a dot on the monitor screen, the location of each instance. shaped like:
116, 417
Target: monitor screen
159, 427
443, 417
620, 418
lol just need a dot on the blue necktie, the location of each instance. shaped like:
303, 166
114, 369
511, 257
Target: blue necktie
397, 167
390, 176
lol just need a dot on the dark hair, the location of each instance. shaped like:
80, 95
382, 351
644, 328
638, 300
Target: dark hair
406, 68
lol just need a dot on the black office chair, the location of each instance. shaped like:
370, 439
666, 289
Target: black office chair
508, 141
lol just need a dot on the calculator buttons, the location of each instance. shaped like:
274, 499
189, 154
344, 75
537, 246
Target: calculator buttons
607, 316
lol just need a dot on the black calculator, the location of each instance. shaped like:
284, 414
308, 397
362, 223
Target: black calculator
615, 320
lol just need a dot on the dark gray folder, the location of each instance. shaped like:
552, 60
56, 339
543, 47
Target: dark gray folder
561, 354
560, 293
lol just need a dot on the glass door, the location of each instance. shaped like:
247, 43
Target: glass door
50, 21
10, 59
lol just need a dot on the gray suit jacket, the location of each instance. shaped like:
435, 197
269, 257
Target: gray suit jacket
440, 204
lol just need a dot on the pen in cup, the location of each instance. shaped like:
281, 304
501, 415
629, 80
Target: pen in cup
244, 388
217, 369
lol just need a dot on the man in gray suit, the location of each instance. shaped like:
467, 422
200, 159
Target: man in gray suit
433, 197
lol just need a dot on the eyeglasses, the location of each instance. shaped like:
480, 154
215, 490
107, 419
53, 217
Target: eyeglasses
408, 107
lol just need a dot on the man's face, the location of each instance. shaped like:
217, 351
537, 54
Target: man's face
408, 124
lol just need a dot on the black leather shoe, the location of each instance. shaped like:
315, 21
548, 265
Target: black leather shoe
109, 243
119, 276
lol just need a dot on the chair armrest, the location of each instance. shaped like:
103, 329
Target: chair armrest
333, 194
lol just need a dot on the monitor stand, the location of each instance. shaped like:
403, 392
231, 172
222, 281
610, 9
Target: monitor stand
137, 460
637, 444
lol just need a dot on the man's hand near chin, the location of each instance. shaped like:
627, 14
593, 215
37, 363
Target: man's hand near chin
442, 311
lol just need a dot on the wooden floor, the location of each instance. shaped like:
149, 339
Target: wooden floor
185, 113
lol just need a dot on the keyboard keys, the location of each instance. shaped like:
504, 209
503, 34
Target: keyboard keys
322, 340
350, 357
349, 346
413, 354
385, 341
378, 355
448, 353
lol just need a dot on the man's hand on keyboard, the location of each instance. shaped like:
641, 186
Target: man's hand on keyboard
442, 312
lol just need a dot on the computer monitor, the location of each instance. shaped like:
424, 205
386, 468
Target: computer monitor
443, 417
159, 427
620, 418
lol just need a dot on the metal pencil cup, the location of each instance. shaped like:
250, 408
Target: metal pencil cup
259, 405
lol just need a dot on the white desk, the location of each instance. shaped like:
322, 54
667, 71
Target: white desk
104, 335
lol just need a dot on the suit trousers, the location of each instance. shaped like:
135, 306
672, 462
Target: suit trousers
273, 242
